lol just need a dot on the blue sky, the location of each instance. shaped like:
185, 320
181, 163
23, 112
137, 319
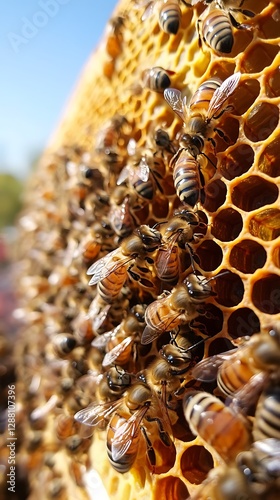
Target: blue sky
44, 45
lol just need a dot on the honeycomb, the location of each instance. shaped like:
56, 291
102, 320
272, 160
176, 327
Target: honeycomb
77, 212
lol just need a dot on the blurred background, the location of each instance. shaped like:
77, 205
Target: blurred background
44, 46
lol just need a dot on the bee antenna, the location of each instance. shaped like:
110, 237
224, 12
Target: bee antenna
215, 277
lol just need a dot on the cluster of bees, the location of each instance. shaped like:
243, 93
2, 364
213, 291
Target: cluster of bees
128, 354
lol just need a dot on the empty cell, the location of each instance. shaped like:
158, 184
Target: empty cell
266, 294
270, 25
243, 322
261, 121
210, 255
227, 132
169, 488
270, 159
217, 346
196, 462
227, 225
210, 322
238, 161
245, 95
265, 224
247, 256
254, 192
258, 57
272, 82
165, 455
215, 195
229, 289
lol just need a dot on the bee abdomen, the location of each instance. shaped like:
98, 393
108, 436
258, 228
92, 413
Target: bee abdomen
217, 32
267, 418
186, 181
170, 18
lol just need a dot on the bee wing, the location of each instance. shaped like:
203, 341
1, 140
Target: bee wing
148, 10
124, 175
101, 340
164, 254
173, 97
113, 355
222, 93
95, 412
143, 171
127, 433
249, 393
151, 333
105, 266
207, 369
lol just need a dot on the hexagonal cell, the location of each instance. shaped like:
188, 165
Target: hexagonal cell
238, 161
254, 192
247, 256
261, 121
210, 255
276, 256
258, 57
270, 25
265, 224
229, 289
165, 456
272, 83
227, 225
215, 195
210, 322
270, 159
219, 345
243, 322
244, 96
196, 462
169, 488
266, 294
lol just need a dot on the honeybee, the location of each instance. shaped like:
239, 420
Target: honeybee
111, 134
121, 215
205, 106
115, 36
267, 416
65, 426
215, 25
163, 141
226, 430
169, 14
157, 79
176, 236
63, 343
110, 272
174, 308
242, 372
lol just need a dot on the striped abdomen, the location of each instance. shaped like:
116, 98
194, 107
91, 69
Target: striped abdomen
233, 375
186, 176
267, 417
170, 17
227, 431
126, 461
217, 31
110, 287
201, 98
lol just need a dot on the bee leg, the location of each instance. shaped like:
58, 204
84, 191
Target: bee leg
186, 3
164, 436
222, 135
150, 450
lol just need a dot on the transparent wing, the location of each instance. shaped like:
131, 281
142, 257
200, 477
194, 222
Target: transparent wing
249, 393
111, 356
95, 412
222, 94
173, 97
127, 433
164, 255
106, 265
207, 369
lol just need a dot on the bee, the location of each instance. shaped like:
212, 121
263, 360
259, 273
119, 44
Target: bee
176, 236
169, 14
206, 105
121, 216
163, 141
157, 79
215, 25
242, 372
111, 135
110, 272
115, 36
174, 308
63, 343
226, 430
65, 426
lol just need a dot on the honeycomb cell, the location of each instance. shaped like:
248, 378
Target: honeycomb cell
261, 121
243, 322
266, 294
245, 95
238, 161
276, 256
210, 322
229, 289
270, 25
265, 224
254, 192
247, 256
221, 344
227, 225
229, 128
160, 208
196, 462
210, 255
169, 488
272, 83
215, 195
258, 56
165, 457
270, 159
